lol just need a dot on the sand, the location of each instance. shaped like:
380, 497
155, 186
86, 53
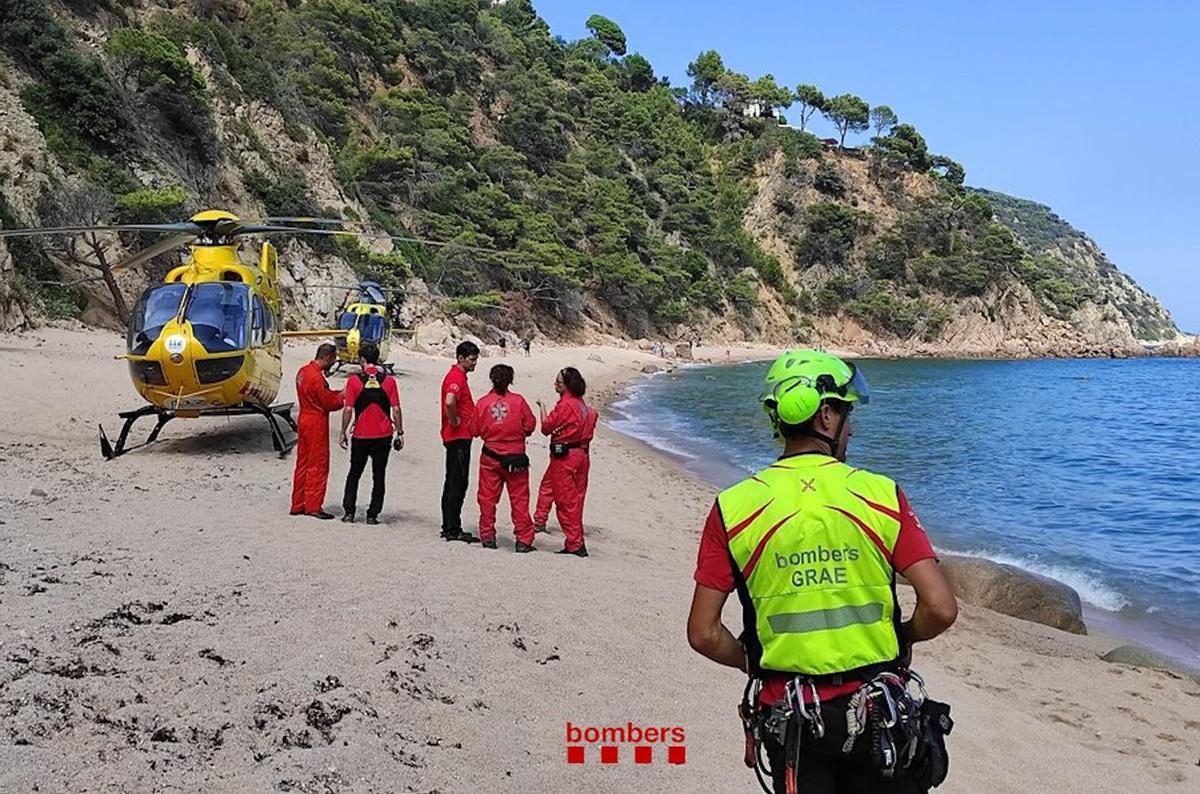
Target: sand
166, 626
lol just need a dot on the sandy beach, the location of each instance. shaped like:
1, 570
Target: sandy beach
166, 626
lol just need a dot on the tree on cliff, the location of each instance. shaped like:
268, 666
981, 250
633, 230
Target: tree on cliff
904, 148
849, 114
638, 72
810, 99
947, 169
883, 118
85, 206
705, 71
770, 96
608, 32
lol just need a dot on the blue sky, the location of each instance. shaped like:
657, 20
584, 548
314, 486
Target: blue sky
1092, 108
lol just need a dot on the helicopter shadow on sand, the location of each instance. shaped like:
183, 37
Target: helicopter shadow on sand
238, 436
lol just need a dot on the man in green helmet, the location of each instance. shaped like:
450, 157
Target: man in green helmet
812, 547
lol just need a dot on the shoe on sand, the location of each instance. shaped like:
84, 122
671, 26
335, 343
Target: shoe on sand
299, 512
579, 552
321, 514
524, 548
540, 529
348, 518
372, 520
488, 544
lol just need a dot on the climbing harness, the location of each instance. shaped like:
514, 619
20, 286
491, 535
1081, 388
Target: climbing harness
892, 711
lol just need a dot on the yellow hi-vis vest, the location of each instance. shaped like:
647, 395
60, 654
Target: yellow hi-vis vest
811, 541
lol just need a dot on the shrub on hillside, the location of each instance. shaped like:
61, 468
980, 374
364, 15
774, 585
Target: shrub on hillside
830, 230
829, 180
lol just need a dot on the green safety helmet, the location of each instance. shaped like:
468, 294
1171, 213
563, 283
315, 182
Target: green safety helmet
799, 380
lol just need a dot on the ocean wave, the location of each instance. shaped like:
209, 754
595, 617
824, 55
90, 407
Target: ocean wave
1090, 588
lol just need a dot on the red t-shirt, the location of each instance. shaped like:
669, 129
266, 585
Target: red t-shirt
714, 569
503, 422
455, 383
373, 422
571, 421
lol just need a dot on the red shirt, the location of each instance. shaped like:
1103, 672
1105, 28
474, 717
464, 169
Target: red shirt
503, 421
373, 422
714, 569
455, 383
313, 392
571, 421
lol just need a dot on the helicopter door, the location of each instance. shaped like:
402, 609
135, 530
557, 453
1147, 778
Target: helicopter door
258, 323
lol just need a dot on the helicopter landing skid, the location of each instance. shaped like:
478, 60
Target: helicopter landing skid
109, 451
274, 414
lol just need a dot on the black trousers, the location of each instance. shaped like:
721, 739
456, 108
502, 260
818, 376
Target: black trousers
454, 490
825, 769
377, 450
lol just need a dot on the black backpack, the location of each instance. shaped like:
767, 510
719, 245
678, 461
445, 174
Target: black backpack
372, 393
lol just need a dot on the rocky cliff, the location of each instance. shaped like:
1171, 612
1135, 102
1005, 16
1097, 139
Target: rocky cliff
617, 205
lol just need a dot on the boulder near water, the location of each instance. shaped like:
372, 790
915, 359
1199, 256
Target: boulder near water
1011, 591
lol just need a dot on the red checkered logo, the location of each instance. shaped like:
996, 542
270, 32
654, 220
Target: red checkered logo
616, 744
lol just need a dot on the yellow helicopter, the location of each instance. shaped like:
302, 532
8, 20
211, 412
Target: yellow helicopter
207, 341
364, 320
363, 316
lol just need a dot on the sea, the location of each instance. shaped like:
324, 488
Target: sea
1086, 471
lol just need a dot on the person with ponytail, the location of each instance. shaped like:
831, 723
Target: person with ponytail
503, 420
570, 426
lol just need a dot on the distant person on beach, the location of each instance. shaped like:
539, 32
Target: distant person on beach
503, 421
457, 408
317, 401
571, 426
813, 547
503, 346
373, 404
525, 344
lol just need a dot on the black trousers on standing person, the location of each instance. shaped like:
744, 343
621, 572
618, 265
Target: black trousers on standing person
454, 490
362, 449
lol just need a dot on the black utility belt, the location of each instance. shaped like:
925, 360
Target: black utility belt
512, 463
559, 449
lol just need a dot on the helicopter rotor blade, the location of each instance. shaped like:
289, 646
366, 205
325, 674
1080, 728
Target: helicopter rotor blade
313, 221
186, 227
161, 247
272, 229
337, 286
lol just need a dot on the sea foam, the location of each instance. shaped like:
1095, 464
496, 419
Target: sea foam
1089, 586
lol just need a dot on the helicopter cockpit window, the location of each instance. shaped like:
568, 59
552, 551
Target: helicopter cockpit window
157, 307
346, 320
258, 324
219, 314
372, 327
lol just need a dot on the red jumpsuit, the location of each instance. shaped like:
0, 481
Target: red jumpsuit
503, 421
571, 422
316, 401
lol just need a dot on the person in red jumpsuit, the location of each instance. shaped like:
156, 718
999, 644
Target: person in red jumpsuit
503, 421
571, 426
317, 401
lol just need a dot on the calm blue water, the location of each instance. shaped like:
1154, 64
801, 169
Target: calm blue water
1084, 470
